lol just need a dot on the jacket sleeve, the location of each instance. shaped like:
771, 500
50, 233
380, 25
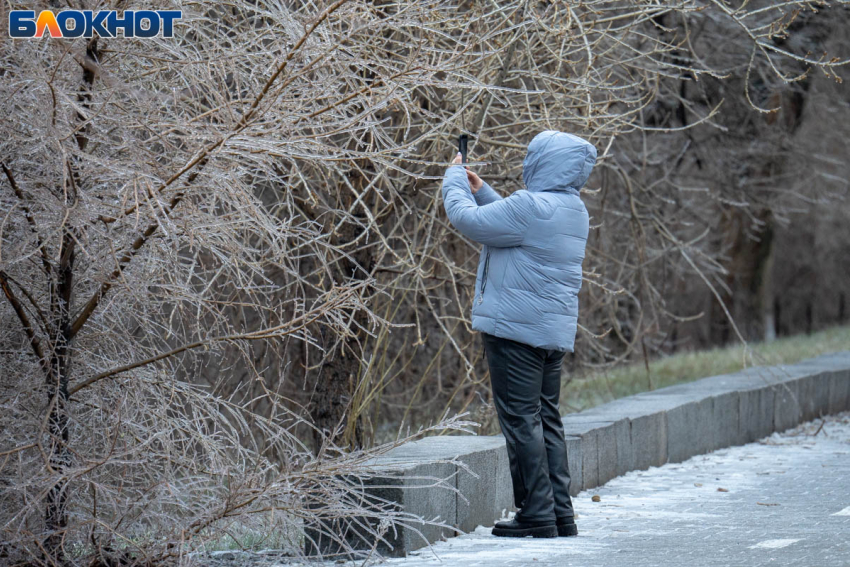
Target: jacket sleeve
486, 195
502, 223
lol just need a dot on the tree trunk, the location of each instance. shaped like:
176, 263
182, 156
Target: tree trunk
57, 378
765, 287
333, 397
61, 288
750, 267
340, 371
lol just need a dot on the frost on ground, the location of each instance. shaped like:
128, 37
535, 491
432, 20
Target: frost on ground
783, 500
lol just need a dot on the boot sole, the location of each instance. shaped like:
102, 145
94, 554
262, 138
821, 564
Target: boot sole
540, 531
567, 530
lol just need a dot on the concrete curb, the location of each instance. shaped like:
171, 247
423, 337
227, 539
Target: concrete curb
650, 429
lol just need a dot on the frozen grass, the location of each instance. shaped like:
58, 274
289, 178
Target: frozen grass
597, 388
248, 539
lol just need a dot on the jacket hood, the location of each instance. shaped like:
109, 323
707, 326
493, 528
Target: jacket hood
557, 161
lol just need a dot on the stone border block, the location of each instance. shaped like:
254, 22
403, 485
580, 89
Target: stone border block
647, 427
787, 410
755, 410
726, 420
689, 427
504, 484
613, 444
587, 435
839, 391
479, 499
649, 440
814, 395
575, 464
428, 502
625, 451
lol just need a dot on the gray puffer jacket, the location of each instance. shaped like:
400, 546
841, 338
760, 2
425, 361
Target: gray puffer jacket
529, 273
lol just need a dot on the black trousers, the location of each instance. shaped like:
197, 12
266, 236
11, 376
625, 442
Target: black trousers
526, 384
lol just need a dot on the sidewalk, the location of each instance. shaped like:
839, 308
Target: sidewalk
784, 500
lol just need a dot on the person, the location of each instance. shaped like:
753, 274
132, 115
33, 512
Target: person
526, 309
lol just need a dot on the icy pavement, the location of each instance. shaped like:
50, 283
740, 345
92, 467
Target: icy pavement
784, 500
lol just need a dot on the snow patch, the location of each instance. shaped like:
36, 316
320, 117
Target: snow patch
774, 543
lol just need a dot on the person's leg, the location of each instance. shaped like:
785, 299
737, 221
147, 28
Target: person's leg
553, 434
498, 383
516, 375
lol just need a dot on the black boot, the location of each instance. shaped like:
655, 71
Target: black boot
567, 527
513, 528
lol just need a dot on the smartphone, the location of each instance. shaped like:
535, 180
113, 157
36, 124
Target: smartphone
462, 141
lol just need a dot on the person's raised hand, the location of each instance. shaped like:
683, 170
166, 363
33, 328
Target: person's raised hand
475, 182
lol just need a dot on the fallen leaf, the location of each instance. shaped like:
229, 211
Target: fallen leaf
596, 498
722, 490
697, 484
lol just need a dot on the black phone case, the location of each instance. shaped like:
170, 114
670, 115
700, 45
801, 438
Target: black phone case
462, 142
